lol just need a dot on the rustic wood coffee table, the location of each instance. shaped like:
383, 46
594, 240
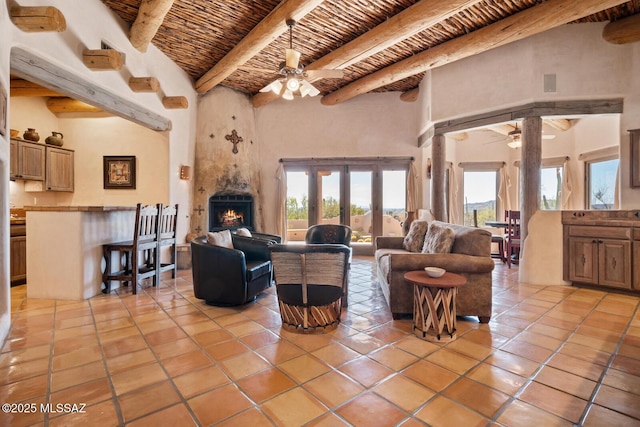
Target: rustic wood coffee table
434, 304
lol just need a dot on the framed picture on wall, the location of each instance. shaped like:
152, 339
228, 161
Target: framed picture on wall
635, 158
3, 110
120, 172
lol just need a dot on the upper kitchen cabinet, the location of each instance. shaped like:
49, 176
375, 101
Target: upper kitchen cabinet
51, 166
59, 176
27, 160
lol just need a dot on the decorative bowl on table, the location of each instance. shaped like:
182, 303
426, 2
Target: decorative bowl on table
434, 271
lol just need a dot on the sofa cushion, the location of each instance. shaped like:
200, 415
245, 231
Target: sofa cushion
471, 241
243, 232
439, 239
221, 238
414, 239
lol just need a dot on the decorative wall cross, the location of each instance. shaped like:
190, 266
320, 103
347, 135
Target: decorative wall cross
199, 210
235, 139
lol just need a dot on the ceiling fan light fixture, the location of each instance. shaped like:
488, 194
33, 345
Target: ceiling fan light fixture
293, 83
312, 91
276, 87
288, 95
515, 144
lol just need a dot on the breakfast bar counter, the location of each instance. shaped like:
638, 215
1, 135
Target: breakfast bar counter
64, 247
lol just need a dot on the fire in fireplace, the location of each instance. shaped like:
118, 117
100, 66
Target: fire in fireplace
230, 212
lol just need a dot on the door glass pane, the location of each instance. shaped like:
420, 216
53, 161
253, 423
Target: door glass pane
329, 191
297, 205
550, 186
394, 195
602, 184
480, 195
361, 207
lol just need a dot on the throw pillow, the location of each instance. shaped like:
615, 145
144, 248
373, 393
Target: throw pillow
243, 232
414, 239
221, 238
439, 239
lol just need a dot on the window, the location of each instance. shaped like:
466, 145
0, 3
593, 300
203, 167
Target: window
551, 187
369, 194
480, 194
601, 183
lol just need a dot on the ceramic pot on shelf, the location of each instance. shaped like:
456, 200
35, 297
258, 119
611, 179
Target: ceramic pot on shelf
55, 139
31, 135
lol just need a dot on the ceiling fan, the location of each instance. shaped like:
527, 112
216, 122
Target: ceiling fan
516, 137
293, 77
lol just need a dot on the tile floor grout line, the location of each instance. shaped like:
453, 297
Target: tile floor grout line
612, 357
255, 405
183, 399
113, 397
544, 363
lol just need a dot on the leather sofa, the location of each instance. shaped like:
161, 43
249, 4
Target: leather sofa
225, 277
470, 257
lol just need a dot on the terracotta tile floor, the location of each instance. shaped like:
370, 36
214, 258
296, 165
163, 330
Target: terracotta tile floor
550, 356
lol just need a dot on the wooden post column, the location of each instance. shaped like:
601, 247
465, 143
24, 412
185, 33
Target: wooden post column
438, 167
530, 171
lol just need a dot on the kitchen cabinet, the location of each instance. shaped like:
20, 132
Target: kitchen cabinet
18, 254
59, 169
48, 168
599, 248
27, 160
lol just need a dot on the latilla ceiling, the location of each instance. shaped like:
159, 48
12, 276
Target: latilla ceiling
198, 34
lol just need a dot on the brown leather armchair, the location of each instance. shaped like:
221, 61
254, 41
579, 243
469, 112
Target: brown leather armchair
223, 276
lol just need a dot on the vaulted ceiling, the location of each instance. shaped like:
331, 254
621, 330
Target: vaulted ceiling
381, 45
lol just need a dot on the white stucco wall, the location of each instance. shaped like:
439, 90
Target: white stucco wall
5, 300
92, 137
367, 126
586, 67
64, 50
83, 32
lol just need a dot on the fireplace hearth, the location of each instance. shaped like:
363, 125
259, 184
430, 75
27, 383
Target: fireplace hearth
229, 212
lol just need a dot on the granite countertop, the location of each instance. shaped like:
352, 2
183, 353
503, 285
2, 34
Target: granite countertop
78, 208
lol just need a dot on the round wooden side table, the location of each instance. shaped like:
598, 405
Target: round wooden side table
434, 304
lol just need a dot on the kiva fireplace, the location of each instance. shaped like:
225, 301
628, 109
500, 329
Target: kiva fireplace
230, 212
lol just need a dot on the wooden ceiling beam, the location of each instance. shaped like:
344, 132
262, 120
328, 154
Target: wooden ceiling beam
70, 105
269, 29
539, 18
410, 95
560, 124
405, 24
150, 16
622, 31
35, 19
22, 87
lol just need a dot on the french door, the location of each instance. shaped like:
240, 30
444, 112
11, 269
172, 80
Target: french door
368, 196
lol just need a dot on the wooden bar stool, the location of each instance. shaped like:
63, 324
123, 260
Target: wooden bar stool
167, 221
140, 253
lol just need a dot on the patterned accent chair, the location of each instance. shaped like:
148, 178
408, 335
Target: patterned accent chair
310, 283
332, 234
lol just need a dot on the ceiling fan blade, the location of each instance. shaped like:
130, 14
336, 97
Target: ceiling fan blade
324, 74
259, 70
292, 58
548, 136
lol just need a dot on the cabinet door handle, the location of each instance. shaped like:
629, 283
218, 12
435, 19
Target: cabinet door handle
594, 241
